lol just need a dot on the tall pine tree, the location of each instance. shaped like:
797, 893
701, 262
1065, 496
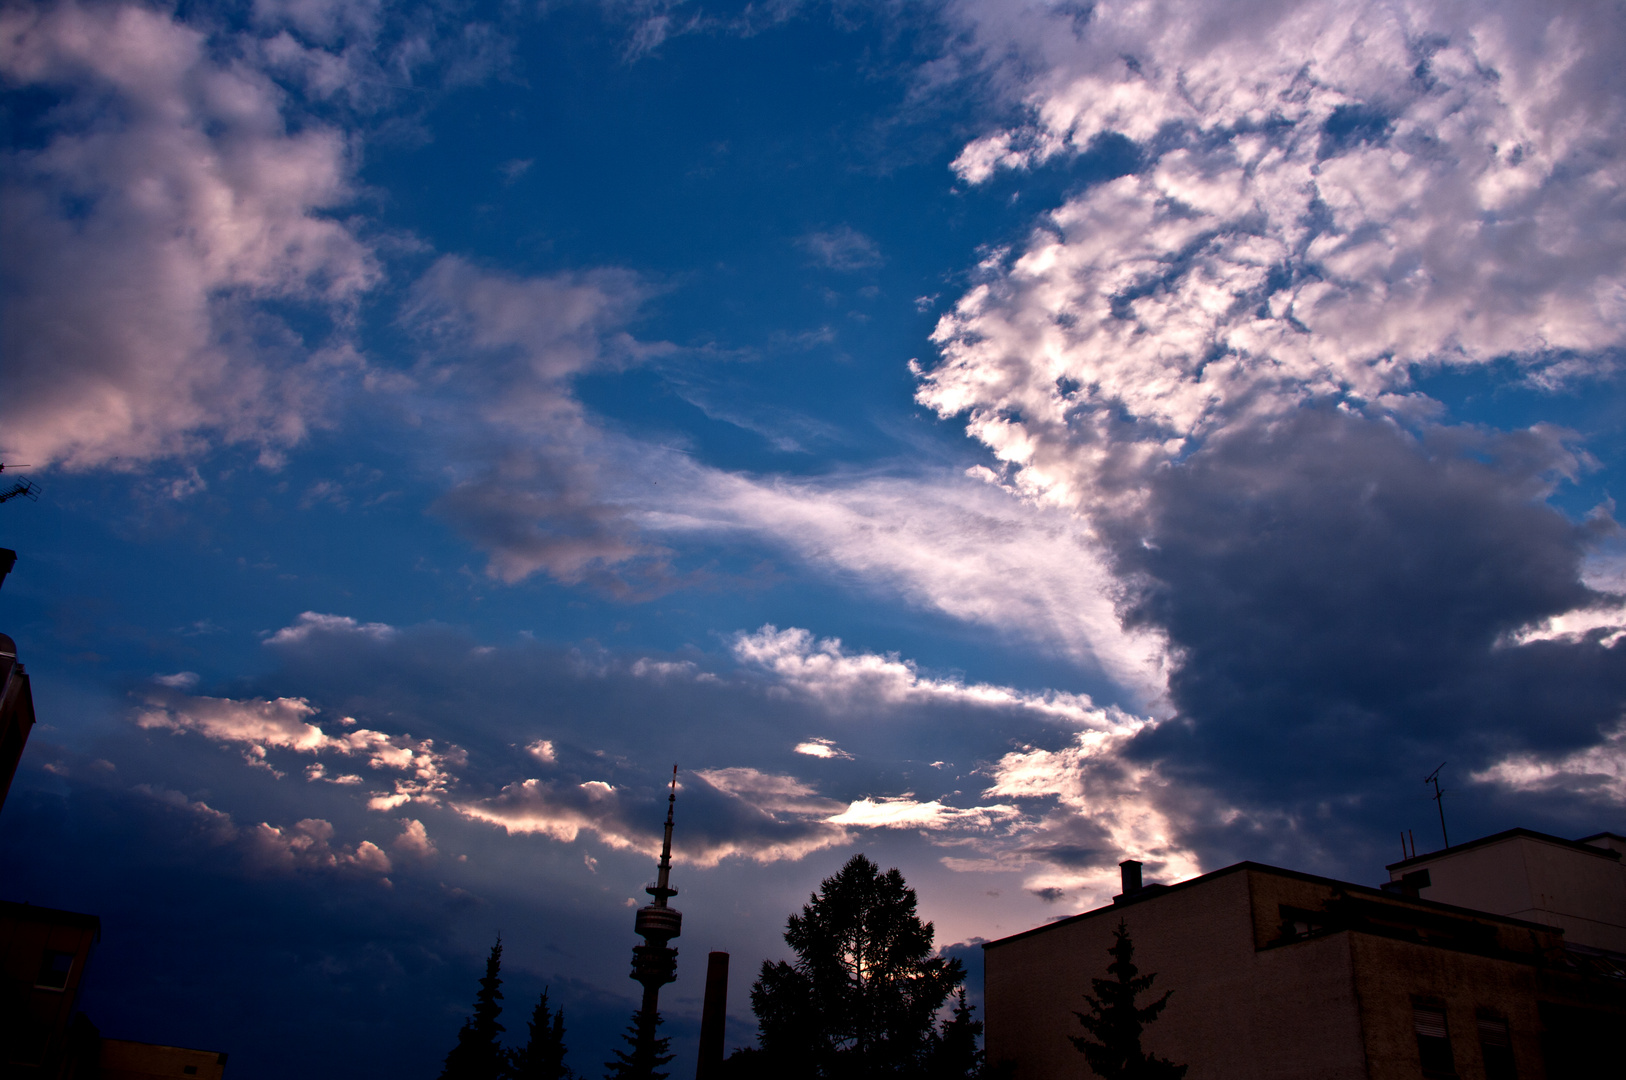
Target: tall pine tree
477, 1055
543, 1056
1116, 1021
645, 1053
861, 999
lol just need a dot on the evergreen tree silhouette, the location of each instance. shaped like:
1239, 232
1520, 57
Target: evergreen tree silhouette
645, 1051
543, 1056
954, 1054
477, 1055
1116, 1021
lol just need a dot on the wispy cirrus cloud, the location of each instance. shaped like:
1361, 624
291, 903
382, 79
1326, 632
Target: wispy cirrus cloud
842, 248
947, 543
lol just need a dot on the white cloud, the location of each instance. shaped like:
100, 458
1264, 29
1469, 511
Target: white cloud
543, 751
311, 622
905, 812
306, 845
1111, 808
1598, 771
1329, 195
823, 669
171, 194
822, 748
770, 818
1575, 626
414, 839
262, 725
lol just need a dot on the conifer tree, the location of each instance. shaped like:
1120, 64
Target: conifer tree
1116, 1021
543, 1056
645, 1053
954, 1054
477, 1055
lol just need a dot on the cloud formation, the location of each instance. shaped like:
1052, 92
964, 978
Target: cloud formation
167, 197
261, 725
537, 484
1326, 196
736, 811
1101, 810
843, 248
824, 670
1210, 356
1594, 772
952, 544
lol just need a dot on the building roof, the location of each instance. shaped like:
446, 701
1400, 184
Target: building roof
1347, 886
53, 916
1510, 834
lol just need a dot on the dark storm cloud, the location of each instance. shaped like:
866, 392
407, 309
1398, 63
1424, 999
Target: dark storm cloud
1341, 594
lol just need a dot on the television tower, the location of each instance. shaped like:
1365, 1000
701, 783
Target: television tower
654, 963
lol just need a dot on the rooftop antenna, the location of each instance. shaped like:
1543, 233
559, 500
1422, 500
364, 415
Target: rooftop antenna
25, 488
1439, 800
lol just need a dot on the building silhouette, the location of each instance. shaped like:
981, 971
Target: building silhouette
1497, 959
45, 953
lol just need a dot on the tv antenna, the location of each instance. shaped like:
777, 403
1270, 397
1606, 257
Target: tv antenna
1439, 800
24, 488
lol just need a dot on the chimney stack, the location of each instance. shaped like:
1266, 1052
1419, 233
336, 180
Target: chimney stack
712, 1016
1131, 876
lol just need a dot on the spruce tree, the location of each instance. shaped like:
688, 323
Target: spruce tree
954, 1054
543, 1056
645, 1053
1116, 1021
477, 1055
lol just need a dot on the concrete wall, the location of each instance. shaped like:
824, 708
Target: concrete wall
1580, 890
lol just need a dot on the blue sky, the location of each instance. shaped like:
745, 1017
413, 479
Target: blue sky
1003, 438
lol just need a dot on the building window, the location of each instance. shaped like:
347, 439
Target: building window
1497, 1046
54, 969
1433, 1040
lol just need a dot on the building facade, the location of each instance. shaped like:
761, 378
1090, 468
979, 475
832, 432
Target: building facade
1279, 974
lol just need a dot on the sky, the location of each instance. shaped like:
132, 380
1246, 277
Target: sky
1001, 437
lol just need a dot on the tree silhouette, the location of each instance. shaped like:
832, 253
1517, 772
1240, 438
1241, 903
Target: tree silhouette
861, 998
954, 1054
645, 1051
477, 1055
543, 1056
1116, 1021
